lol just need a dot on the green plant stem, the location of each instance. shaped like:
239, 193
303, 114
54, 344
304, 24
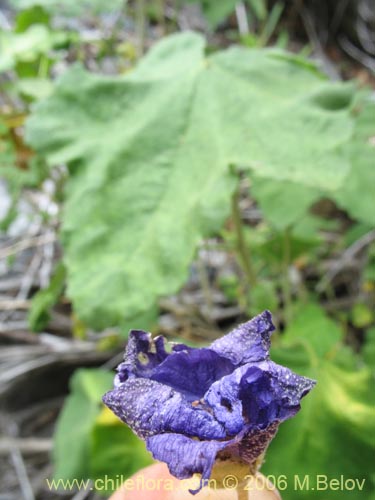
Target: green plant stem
140, 21
205, 284
161, 10
43, 67
243, 251
287, 293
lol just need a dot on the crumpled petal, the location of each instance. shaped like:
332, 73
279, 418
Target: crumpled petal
257, 395
149, 408
287, 387
142, 355
184, 456
249, 342
193, 371
223, 398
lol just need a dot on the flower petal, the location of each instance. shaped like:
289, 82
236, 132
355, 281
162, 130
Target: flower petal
149, 408
257, 395
250, 342
142, 355
223, 398
193, 371
184, 456
288, 387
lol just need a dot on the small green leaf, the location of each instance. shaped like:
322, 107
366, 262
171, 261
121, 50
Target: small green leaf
76, 420
25, 47
230, 285
362, 315
34, 88
283, 203
259, 7
271, 23
92, 383
115, 451
312, 327
263, 296
34, 15
216, 12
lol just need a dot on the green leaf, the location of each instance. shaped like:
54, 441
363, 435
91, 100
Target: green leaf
268, 249
28, 46
271, 23
216, 12
15, 177
369, 348
357, 194
75, 423
115, 451
28, 17
362, 315
283, 203
150, 161
263, 296
259, 7
90, 442
310, 326
336, 423
25, 46
339, 414
44, 300
7, 152
34, 88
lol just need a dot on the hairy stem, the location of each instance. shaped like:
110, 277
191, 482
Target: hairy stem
243, 251
205, 284
140, 21
287, 292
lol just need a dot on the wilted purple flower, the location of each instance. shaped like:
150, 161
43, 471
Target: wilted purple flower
195, 405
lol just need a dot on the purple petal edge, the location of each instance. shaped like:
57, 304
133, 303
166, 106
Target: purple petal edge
249, 342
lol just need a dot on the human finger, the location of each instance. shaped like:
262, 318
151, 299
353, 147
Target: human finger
156, 483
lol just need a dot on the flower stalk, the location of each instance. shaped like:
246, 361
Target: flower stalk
242, 249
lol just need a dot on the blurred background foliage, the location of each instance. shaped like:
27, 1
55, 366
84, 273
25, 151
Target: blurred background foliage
179, 166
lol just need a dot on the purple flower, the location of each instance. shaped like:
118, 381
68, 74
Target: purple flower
193, 406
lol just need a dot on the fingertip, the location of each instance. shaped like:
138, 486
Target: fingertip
156, 483
262, 489
151, 483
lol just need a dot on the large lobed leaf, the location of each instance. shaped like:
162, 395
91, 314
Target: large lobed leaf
284, 203
150, 153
